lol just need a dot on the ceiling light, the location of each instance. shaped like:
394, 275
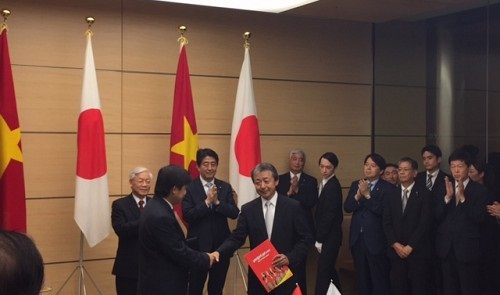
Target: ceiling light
275, 6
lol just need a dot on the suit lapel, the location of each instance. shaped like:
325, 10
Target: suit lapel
132, 205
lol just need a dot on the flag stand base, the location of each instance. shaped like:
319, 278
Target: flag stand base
243, 273
81, 273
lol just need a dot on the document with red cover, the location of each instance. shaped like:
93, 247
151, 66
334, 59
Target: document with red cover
260, 260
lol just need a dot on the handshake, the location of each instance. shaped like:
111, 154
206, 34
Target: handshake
214, 257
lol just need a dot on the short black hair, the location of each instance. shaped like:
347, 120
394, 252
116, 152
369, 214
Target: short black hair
169, 177
413, 163
261, 167
203, 153
331, 157
21, 265
378, 159
460, 155
433, 149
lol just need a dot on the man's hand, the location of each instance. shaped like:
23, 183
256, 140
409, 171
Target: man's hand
494, 210
449, 189
399, 250
214, 257
212, 198
280, 260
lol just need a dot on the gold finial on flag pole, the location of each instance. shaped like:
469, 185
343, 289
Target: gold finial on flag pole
5, 14
90, 21
183, 40
246, 36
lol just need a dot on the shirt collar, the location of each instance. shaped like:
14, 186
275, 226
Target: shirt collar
272, 200
298, 175
324, 181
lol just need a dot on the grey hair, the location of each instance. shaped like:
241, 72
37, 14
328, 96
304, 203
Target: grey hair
139, 170
298, 151
261, 167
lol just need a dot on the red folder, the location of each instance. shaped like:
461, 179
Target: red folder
260, 260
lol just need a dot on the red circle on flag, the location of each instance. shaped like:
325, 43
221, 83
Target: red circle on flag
91, 161
247, 145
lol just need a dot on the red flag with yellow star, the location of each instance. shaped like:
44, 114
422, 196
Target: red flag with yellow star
12, 192
184, 133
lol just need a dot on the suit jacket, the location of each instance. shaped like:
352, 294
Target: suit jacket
125, 220
164, 257
328, 216
367, 216
413, 227
291, 236
460, 225
307, 195
209, 225
438, 185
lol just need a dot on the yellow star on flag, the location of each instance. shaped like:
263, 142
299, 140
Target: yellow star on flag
189, 146
9, 142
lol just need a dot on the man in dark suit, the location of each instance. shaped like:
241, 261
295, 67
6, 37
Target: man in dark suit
302, 187
433, 179
461, 213
407, 218
125, 215
366, 239
286, 228
328, 218
164, 257
208, 204
433, 176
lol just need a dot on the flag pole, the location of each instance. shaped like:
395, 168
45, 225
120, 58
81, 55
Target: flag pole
80, 267
239, 265
5, 14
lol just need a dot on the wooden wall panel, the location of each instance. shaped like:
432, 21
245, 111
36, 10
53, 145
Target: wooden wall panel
51, 33
394, 148
51, 224
399, 106
50, 98
99, 271
305, 51
313, 108
50, 164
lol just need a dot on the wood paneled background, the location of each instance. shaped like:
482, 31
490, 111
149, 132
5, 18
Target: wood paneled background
312, 82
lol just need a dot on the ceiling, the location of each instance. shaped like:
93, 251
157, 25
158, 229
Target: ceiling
378, 11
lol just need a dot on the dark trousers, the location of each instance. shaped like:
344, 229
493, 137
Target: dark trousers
372, 271
411, 276
326, 271
125, 286
216, 279
460, 278
300, 272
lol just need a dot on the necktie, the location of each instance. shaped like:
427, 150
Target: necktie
320, 188
141, 206
181, 224
208, 186
405, 199
428, 184
269, 217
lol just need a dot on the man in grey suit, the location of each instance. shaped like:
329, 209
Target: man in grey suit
287, 229
125, 215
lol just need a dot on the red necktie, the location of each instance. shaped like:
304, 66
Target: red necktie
141, 206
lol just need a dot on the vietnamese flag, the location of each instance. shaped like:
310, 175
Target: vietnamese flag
12, 191
244, 152
92, 212
184, 133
